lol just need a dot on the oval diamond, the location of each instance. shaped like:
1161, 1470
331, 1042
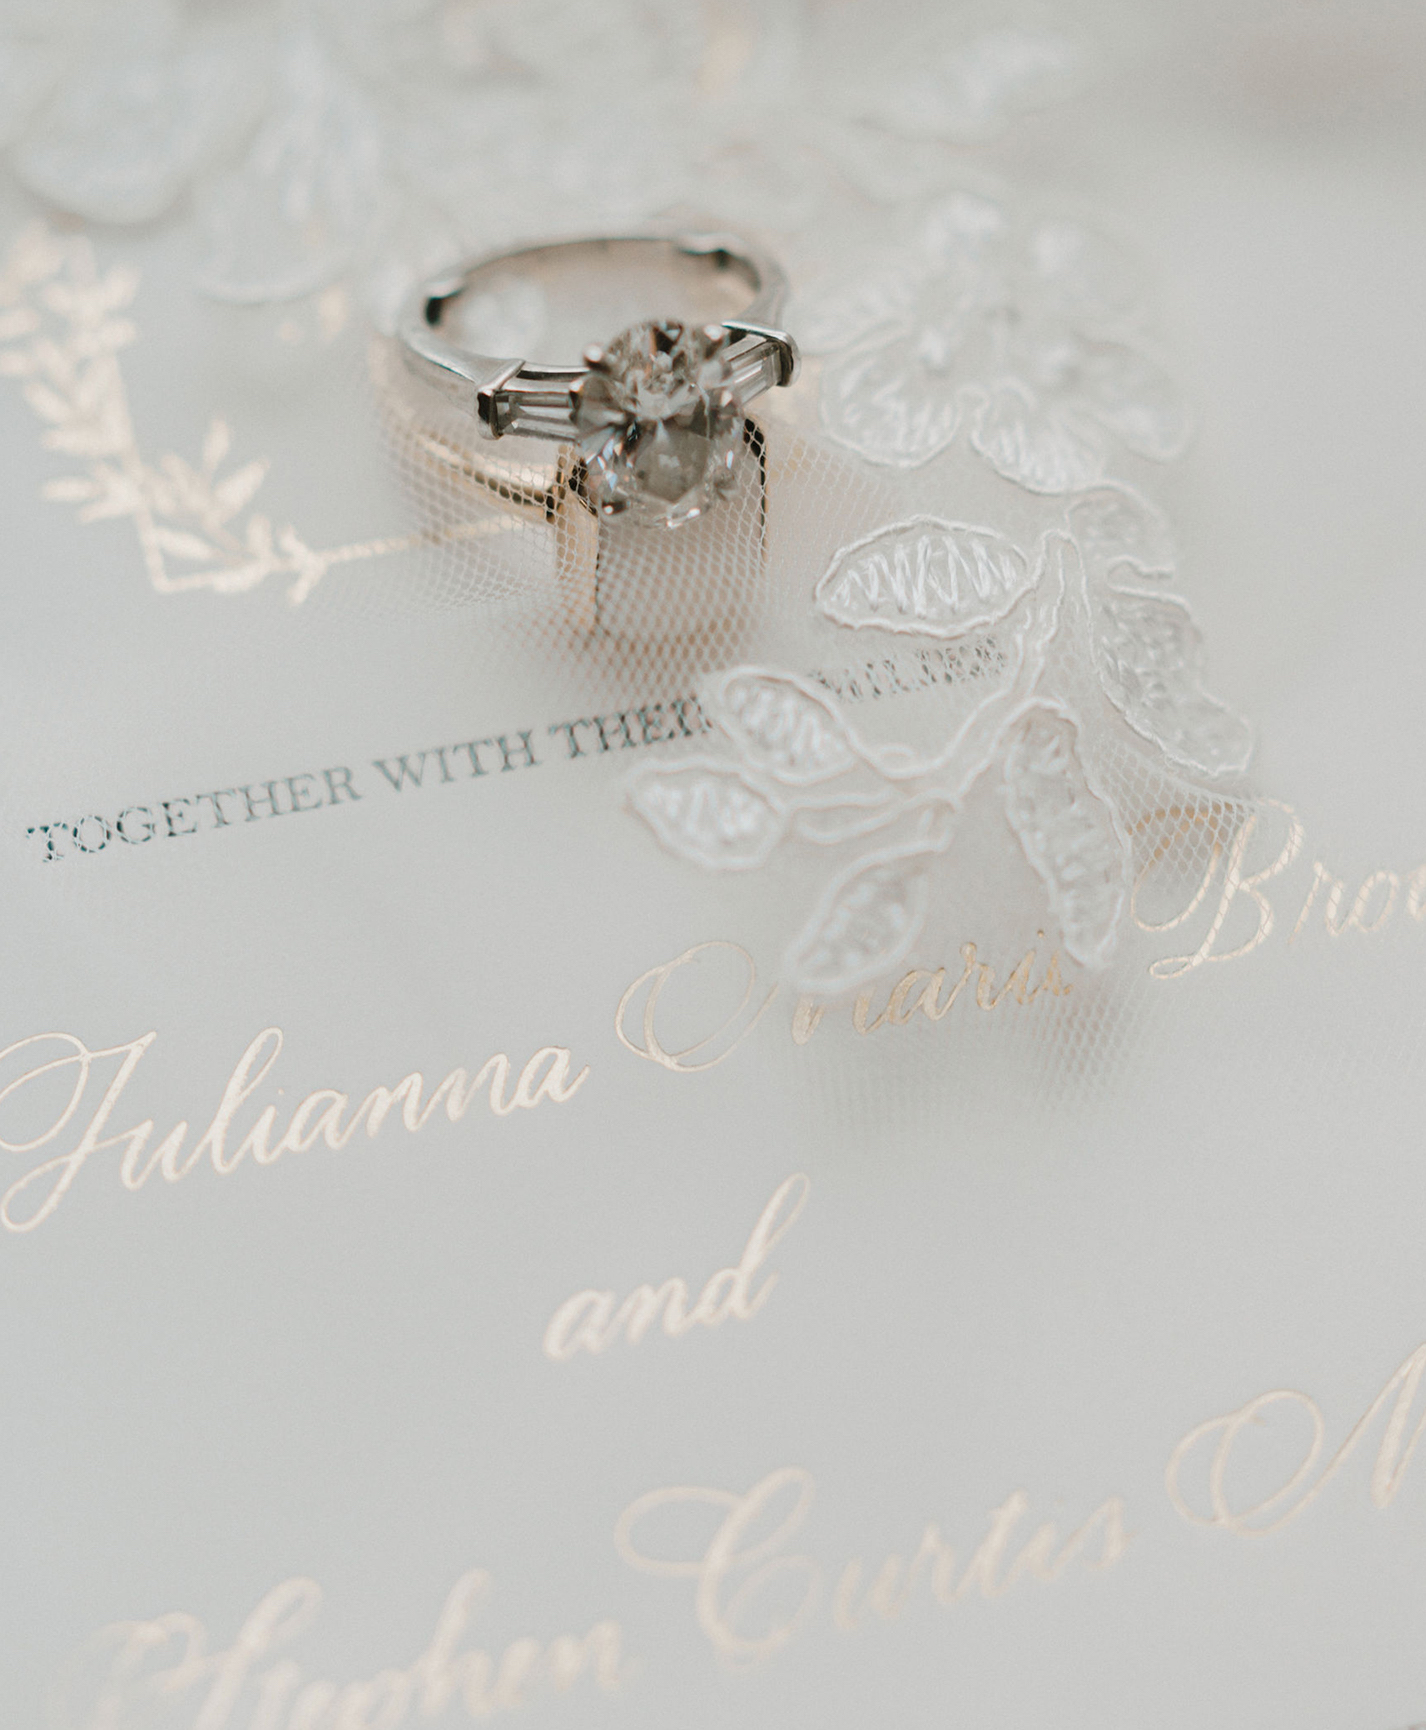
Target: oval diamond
659, 427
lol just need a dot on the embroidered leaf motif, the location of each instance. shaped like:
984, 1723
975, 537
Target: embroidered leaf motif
289, 217
879, 304
129, 126
1114, 526
960, 225
781, 724
708, 814
1151, 667
925, 575
1034, 446
846, 820
866, 922
1068, 832
1093, 282
891, 403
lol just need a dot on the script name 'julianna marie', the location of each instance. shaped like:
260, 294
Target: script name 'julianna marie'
60, 1061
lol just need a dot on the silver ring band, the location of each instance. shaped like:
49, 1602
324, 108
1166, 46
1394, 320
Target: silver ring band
532, 400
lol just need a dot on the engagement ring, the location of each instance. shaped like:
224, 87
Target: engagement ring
657, 414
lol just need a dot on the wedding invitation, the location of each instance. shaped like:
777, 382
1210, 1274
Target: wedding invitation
821, 1128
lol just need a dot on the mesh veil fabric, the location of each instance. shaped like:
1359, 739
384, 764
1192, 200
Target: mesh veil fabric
953, 563
942, 546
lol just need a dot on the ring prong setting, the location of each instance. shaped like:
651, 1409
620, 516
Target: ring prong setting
659, 424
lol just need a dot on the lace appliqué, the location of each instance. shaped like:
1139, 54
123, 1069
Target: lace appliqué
1022, 339
376, 142
794, 768
1150, 664
926, 576
1070, 832
139, 113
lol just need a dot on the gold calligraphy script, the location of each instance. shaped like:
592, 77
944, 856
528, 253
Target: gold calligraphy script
1255, 866
159, 1668
589, 1321
933, 992
326, 1115
925, 990
1220, 1440
751, 1598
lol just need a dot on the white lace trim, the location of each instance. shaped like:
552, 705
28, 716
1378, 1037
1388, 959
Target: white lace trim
1022, 334
379, 138
796, 769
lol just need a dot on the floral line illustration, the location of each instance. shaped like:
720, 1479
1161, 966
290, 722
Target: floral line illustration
63, 325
